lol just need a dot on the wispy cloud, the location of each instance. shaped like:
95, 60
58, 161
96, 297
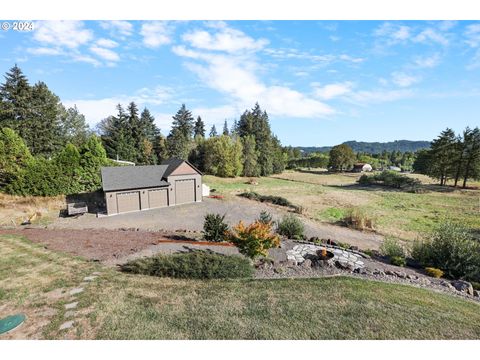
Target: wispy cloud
334, 90
118, 28
404, 80
427, 61
69, 34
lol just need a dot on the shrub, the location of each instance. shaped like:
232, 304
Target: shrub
214, 228
265, 217
452, 248
356, 218
391, 179
291, 227
193, 265
434, 272
391, 247
398, 261
277, 200
255, 239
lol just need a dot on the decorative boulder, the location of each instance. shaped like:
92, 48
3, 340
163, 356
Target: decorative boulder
307, 263
463, 286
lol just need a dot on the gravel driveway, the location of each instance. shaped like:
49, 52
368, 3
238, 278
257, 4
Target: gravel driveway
189, 217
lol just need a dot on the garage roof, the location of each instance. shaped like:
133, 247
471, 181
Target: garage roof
133, 177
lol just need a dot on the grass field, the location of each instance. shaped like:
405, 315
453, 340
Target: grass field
327, 197
121, 306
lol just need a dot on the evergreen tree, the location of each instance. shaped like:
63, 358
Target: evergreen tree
160, 148
213, 131
15, 102
279, 156
68, 162
443, 155
183, 121
199, 129
250, 156
225, 129
148, 128
45, 132
234, 128
92, 157
342, 158
178, 145
197, 155
472, 155
75, 130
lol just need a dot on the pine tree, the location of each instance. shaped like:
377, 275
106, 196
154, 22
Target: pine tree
443, 156
213, 131
45, 131
160, 148
225, 129
472, 155
199, 129
149, 129
183, 121
250, 156
15, 102
234, 128
178, 145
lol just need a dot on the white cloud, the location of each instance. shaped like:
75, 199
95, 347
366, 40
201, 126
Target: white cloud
155, 33
227, 39
118, 28
70, 34
235, 76
404, 80
105, 54
331, 91
431, 35
44, 51
427, 61
393, 33
106, 43
292, 53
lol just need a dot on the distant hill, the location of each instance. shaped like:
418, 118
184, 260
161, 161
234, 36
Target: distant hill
374, 147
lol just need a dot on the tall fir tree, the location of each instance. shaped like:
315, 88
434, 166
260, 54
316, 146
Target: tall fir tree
183, 121
250, 156
199, 129
213, 131
443, 155
472, 155
225, 129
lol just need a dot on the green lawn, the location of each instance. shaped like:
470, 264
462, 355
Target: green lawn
121, 306
327, 197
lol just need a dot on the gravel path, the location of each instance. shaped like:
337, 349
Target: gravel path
190, 217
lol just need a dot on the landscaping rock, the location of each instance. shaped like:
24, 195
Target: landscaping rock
69, 313
390, 272
476, 293
379, 272
463, 286
412, 277
76, 291
424, 281
400, 274
447, 285
66, 325
89, 278
72, 305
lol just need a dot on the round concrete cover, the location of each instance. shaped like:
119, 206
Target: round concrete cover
11, 322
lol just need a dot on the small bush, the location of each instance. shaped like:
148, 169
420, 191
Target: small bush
265, 217
357, 219
255, 239
398, 261
391, 247
452, 248
291, 227
434, 272
214, 228
193, 265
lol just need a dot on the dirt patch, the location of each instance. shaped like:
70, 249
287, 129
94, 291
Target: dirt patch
102, 245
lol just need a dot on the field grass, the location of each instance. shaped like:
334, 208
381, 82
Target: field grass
122, 306
327, 197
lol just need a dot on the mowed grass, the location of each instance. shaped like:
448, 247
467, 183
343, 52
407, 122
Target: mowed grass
122, 306
327, 197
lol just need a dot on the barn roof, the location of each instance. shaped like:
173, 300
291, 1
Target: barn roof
133, 177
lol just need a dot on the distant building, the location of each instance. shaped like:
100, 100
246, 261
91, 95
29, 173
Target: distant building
394, 168
362, 167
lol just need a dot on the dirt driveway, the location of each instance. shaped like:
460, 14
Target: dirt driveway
189, 217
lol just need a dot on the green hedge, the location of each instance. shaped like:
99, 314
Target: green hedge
192, 265
391, 179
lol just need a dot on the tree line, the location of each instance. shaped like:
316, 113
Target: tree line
451, 157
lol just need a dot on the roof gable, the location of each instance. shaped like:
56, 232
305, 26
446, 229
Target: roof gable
174, 164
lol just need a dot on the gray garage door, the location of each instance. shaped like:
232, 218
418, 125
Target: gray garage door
128, 201
158, 198
184, 191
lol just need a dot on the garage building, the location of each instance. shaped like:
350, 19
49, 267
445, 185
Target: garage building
135, 188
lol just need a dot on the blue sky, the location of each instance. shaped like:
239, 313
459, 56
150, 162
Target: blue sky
322, 82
